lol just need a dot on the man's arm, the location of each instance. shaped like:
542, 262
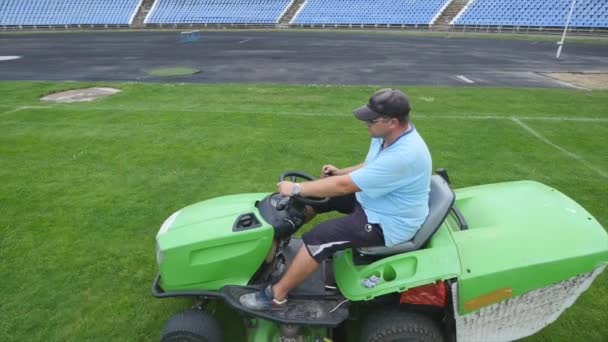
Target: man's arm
330, 170
326, 187
351, 169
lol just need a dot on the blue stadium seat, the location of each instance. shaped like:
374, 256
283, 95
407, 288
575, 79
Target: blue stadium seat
66, 12
367, 12
217, 12
547, 13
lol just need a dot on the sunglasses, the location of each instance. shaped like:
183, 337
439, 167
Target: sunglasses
373, 122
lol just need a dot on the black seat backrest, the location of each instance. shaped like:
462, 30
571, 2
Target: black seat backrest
441, 200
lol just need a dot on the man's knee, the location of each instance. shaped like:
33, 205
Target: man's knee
310, 214
306, 254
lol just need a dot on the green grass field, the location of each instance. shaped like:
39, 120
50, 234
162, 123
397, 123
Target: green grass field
85, 187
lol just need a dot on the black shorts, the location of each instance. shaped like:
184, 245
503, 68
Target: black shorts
351, 230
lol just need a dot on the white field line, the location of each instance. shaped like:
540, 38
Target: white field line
10, 111
22, 108
498, 117
233, 111
559, 148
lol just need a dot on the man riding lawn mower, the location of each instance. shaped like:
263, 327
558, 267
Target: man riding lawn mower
412, 259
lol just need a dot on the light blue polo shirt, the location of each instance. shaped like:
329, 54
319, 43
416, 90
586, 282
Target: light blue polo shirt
395, 184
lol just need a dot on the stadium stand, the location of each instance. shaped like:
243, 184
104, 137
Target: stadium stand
366, 12
67, 12
542, 13
217, 12
588, 15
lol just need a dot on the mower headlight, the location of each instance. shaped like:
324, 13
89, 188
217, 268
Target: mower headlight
159, 254
167, 224
163, 229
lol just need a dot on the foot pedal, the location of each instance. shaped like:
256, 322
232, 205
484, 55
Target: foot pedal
328, 312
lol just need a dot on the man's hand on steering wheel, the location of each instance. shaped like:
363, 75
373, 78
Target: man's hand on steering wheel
329, 170
285, 188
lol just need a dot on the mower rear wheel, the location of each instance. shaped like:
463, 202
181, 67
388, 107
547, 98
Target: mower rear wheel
192, 326
394, 325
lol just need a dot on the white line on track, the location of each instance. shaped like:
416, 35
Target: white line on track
465, 79
8, 58
564, 83
559, 148
570, 85
244, 41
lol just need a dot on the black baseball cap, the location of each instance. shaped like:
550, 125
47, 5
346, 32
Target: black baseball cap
385, 102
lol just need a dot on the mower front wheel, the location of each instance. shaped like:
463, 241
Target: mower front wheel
192, 326
394, 325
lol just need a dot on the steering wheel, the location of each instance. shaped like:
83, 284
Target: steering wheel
293, 176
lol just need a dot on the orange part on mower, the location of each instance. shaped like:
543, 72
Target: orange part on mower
432, 294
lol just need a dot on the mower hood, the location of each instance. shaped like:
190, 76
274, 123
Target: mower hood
213, 243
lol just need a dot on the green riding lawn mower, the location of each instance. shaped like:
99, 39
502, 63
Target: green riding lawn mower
495, 262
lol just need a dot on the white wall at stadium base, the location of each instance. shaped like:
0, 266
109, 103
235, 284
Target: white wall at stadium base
520, 316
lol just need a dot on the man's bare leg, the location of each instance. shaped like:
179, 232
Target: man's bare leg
310, 214
301, 268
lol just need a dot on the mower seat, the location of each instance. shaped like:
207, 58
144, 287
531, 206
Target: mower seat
441, 199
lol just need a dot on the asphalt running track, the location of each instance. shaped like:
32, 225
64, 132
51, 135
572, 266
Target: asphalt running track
315, 57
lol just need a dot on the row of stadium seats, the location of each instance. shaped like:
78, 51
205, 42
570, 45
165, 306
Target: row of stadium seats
369, 12
547, 13
217, 12
67, 12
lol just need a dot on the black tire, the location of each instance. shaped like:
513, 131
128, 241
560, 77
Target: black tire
193, 326
400, 326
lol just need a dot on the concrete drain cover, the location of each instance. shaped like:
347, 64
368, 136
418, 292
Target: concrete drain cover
80, 95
